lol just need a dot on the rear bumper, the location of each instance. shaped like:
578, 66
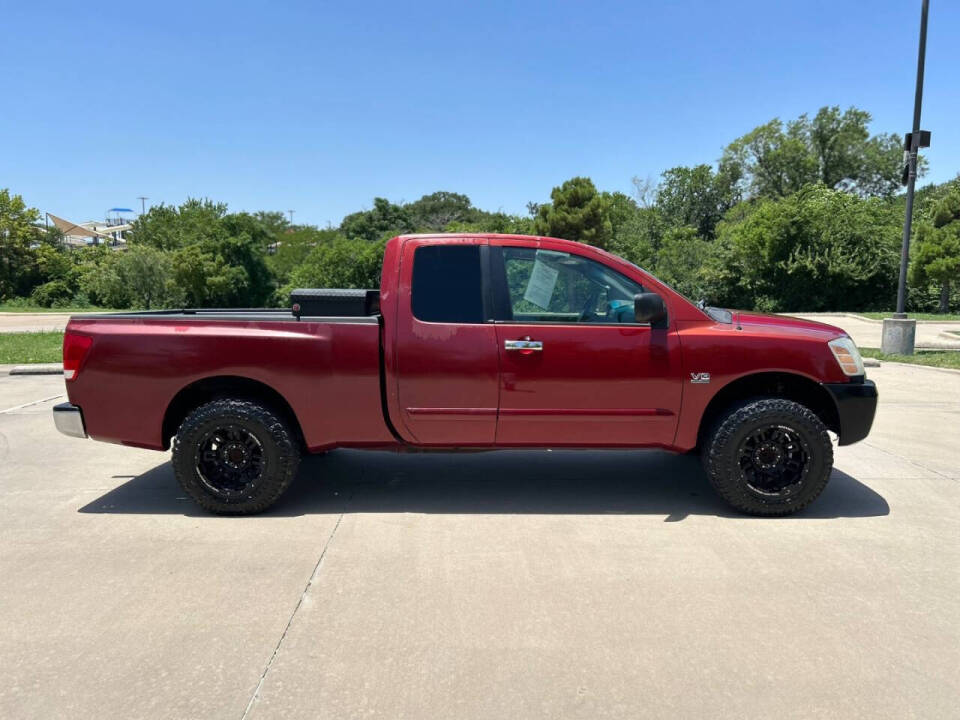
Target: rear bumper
69, 420
856, 405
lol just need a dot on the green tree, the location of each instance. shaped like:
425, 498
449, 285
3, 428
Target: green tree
434, 212
684, 260
578, 212
55, 274
487, 222
223, 272
166, 227
773, 161
382, 221
293, 247
622, 209
636, 231
697, 196
140, 277
247, 248
340, 263
274, 222
818, 249
218, 259
937, 249
833, 148
86, 263
18, 272
52, 263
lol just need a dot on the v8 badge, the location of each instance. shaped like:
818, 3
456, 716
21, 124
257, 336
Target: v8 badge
700, 378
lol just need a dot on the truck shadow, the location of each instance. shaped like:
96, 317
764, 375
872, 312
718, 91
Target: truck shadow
646, 482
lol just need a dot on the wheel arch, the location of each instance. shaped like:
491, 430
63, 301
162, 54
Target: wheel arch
790, 386
217, 387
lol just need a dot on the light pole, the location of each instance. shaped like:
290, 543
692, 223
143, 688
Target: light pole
143, 203
291, 216
899, 332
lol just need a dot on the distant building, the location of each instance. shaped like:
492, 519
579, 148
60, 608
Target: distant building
109, 232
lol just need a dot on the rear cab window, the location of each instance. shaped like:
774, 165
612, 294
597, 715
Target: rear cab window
447, 284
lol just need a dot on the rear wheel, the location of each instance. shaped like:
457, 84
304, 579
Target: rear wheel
234, 457
769, 457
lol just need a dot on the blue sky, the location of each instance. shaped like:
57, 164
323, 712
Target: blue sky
320, 106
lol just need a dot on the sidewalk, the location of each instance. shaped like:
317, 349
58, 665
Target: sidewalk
931, 334
33, 322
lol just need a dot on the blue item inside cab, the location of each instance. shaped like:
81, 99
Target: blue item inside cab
620, 311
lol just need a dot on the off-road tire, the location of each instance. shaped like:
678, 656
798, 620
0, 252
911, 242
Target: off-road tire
721, 455
278, 448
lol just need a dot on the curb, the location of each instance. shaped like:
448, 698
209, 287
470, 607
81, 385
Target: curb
38, 369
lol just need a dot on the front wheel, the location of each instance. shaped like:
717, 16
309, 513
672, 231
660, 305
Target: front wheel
769, 457
234, 457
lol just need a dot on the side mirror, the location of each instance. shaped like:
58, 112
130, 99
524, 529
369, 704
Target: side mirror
649, 308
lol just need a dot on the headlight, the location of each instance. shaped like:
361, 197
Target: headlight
847, 355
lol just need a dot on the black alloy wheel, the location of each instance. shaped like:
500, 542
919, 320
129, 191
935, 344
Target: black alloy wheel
774, 460
230, 461
235, 457
768, 456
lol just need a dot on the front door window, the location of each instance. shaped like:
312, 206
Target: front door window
550, 286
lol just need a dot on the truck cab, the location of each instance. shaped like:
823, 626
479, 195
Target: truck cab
512, 341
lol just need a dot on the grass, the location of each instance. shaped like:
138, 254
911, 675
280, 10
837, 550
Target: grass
931, 358
31, 347
914, 316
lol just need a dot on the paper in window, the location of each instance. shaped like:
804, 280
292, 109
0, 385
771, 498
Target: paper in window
543, 279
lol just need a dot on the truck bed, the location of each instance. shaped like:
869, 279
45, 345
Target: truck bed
308, 305
142, 365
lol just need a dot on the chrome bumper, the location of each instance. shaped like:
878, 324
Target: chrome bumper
69, 420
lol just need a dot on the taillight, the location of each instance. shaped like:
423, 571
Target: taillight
75, 349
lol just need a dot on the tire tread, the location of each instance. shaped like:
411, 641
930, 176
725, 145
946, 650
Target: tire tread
720, 463
274, 485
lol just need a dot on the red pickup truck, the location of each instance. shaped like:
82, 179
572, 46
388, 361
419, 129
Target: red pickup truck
473, 341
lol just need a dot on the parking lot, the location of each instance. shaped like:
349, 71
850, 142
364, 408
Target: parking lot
529, 584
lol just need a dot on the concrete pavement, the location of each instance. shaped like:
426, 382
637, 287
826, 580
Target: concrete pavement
497, 585
931, 334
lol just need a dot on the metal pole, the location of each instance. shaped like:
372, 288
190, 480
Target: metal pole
291, 216
912, 165
143, 204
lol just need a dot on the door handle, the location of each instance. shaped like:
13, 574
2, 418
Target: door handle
525, 346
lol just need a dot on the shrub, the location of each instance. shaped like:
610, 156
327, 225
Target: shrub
340, 263
50, 294
818, 249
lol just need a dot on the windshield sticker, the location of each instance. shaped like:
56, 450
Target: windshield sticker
543, 279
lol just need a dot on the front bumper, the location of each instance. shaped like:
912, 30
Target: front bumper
856, 405
69, 420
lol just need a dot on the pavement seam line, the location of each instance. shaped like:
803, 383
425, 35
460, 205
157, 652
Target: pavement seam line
35, 402
283, 635
911, 462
